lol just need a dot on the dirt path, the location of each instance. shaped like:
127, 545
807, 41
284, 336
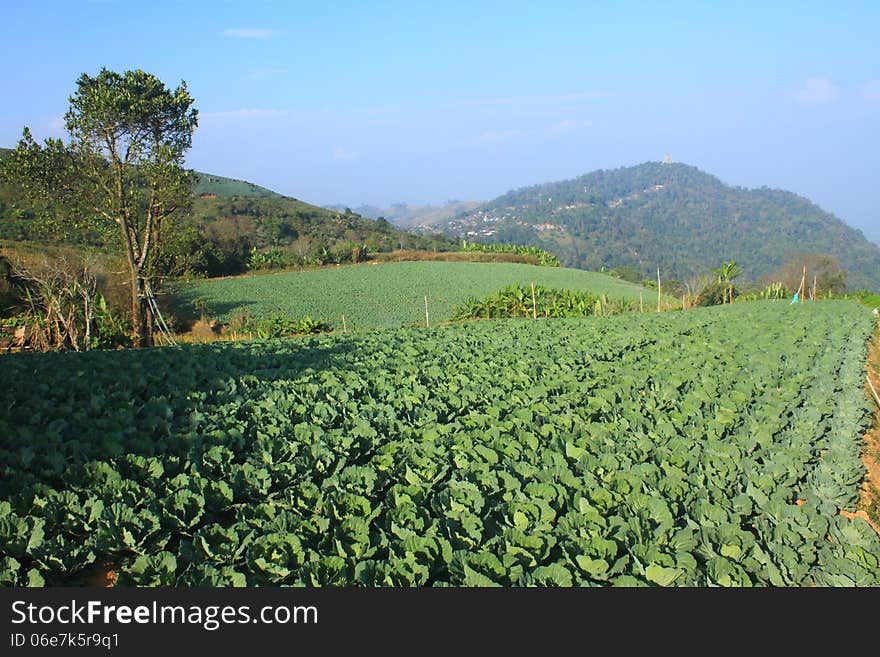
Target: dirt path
869, 502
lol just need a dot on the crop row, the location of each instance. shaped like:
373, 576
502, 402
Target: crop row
710, 447
385, 295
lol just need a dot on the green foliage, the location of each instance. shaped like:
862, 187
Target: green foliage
280, 325
186, 253
110, 329
672, 216
121, 172
626, 273
712, 294
516, 301
867, 298
269, 259
542, 257
772, 292
714, 447
389, 294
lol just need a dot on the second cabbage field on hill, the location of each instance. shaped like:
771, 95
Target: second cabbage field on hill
700, 448
385, 295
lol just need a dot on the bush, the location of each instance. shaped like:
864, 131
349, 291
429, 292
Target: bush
277, 325
270, 259
62, 309
713, 294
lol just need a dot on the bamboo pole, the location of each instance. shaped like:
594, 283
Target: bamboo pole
344, 330
815, 280
659, 308
641, 302
427, 321
534, 304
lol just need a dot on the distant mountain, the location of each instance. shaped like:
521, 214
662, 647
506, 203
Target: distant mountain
669, 215
418, 217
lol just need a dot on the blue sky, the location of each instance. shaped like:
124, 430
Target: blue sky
381, 102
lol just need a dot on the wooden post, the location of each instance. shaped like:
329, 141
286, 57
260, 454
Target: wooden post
802, 290
427, 322
641, 302
534, 304
659, 309
815, 280
344, 330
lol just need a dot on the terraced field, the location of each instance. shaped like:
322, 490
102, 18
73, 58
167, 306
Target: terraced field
392, 294
701, 448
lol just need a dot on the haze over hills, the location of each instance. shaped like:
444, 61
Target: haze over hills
412, 216
671, 215
654, 214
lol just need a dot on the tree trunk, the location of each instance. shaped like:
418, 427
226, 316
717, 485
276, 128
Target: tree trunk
140, 314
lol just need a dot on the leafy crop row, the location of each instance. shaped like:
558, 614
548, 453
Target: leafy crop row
544, 258
518, 301
712, 447
386, 295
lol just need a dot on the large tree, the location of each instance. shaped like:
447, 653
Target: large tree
122, 168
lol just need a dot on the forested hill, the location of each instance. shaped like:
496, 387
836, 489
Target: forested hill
228, 219
669, 215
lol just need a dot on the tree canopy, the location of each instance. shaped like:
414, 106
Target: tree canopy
120, 171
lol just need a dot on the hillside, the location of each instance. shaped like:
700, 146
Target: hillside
390, 294
210, 185
669, 215
228, 219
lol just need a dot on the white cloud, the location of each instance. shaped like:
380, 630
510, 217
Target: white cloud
871, 91
340, 153
263, 73
816, 91
248, 33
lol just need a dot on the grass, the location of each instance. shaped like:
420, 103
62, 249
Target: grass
384, 295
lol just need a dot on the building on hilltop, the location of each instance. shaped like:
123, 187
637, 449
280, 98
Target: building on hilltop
667, 159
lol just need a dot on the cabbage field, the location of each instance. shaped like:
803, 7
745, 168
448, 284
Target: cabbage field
700, 448
387, 295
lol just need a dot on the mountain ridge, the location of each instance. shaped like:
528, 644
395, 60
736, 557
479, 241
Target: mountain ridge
669, 215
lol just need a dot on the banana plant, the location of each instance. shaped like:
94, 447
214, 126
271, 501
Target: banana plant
725, 274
